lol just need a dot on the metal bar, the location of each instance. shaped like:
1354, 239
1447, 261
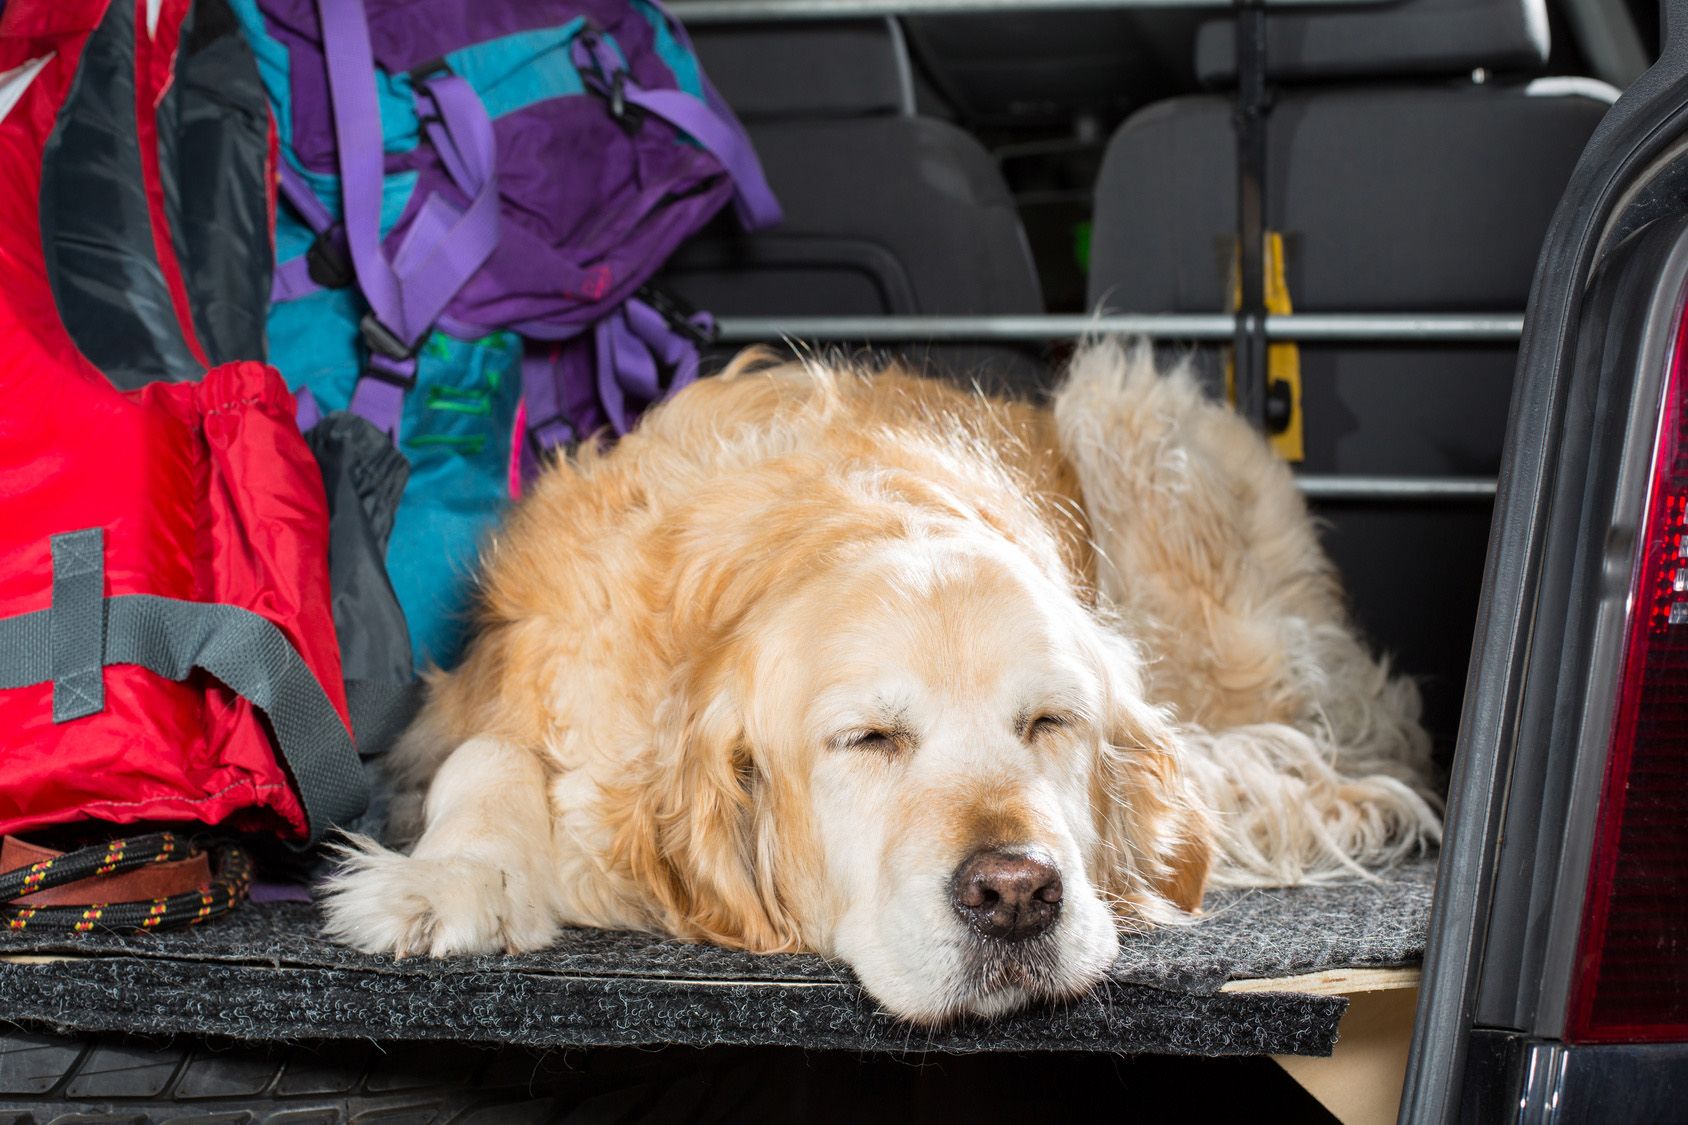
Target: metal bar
1305, 327
1344, 487
1248, 121
698, 12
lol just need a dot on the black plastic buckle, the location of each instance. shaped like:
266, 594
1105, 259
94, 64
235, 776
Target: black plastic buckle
569, 445
326, 261
382, 342
419, 79
678, 314
629, 116
1280, 407
611, 86
430, 69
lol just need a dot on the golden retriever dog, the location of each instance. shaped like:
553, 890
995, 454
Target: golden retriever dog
952, 689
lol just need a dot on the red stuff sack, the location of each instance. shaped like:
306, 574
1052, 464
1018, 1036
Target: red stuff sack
167, 651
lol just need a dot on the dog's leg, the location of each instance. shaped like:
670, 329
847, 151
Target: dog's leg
1204, 543
408, 770
481, 878
1287, 809
1306, 746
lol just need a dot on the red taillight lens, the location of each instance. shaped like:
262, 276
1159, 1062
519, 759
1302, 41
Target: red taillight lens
1632, 963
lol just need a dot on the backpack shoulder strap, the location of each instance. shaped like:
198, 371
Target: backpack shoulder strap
711, 124
753, 199
444, 247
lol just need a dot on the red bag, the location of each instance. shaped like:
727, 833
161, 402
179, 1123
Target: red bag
165, 617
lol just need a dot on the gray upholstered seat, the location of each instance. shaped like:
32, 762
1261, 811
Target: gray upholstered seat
1396, 37
886, 212
1418, 190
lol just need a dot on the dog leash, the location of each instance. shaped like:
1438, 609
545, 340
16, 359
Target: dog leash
226, 878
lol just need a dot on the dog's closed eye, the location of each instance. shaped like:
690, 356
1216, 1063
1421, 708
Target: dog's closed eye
879, 741
1042, 726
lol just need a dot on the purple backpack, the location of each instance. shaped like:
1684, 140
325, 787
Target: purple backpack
476, 194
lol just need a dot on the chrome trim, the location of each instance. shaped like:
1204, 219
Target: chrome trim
1306, 327
698, 12
1341, 486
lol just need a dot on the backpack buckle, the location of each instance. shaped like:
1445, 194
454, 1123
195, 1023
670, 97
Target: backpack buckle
326, 261
629, 116
553, 433
433, 68
605, 75
428, 110
679, 315
382, 342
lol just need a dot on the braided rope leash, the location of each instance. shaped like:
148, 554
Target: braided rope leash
231, 879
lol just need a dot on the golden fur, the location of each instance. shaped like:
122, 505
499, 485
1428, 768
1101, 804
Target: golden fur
764, 674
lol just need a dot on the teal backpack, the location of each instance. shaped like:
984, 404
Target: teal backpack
475, 195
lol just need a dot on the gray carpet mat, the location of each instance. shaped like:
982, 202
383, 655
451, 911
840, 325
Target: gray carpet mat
265, 973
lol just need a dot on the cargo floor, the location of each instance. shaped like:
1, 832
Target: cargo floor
265, 974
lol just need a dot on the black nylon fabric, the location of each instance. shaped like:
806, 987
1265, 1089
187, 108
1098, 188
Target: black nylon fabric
96, 231
364, 475
213, 131
380, 710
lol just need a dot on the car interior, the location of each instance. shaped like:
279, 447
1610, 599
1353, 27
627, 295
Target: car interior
972, 193
1084, 162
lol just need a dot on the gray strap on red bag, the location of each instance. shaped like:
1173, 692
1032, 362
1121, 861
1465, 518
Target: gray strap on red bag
84, 631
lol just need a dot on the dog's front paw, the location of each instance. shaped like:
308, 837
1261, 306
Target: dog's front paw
382, 902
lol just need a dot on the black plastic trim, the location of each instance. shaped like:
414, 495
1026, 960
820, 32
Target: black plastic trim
1650, 117
1515, 1079
1628, 334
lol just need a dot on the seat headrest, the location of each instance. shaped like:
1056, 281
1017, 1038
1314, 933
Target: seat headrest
1388, 40
786, 70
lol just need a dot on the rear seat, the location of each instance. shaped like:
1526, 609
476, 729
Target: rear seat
886, 212
1412, 168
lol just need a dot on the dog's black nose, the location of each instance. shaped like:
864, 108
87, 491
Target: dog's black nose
1007, 895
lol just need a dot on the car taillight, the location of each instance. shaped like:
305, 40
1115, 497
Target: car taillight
1632, 958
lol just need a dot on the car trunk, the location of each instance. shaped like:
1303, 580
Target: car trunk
1387, 387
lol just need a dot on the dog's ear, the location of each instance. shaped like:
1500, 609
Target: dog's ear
1157, 838
693, 829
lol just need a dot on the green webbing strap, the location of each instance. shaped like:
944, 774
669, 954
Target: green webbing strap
171, 638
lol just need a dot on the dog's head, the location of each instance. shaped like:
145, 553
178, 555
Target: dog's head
919, 753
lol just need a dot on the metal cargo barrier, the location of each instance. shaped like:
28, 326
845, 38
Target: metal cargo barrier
1249, 330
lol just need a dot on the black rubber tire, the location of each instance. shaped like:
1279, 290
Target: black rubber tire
51, 1079
48, 1078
